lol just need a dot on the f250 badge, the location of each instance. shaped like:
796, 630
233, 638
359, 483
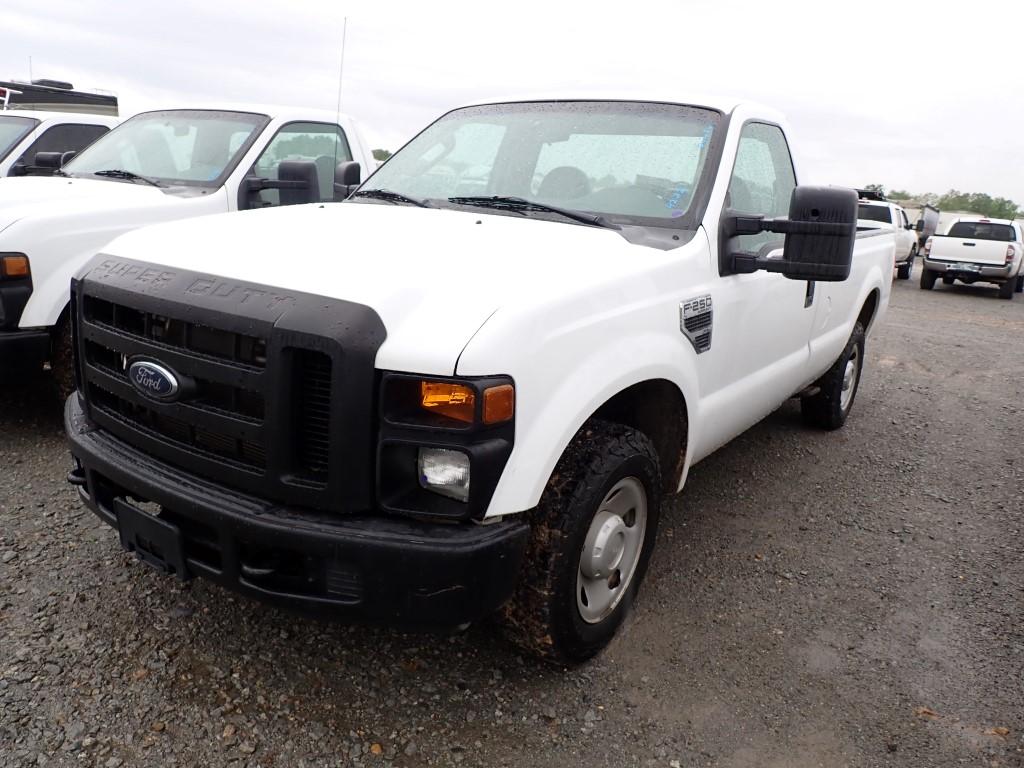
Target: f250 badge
153, 380
695, 321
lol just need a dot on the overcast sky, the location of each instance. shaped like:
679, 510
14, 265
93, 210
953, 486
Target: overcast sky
912, 95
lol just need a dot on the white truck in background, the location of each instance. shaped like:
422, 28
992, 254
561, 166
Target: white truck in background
466, 389
156, 167
34, 143
877, 213
976, 250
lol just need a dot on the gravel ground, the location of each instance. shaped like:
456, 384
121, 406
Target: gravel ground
815, 600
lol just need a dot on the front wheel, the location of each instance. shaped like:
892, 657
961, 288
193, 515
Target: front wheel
927, 278
591, 540
837, 388
62, 360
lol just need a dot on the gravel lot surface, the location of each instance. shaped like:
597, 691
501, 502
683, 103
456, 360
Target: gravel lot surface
815, 600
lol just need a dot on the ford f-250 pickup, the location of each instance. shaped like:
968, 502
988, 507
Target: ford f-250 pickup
466, 390
156, 167
977, 250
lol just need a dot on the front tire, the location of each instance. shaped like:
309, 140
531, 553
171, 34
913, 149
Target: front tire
591, 540
62, 360
837, 388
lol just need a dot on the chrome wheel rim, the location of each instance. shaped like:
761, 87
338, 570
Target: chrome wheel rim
850, 374
611, 550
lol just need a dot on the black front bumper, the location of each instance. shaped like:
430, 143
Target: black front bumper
24, 347
385, 569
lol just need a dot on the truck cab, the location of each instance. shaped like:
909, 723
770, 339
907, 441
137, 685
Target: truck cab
26, 135
155, 167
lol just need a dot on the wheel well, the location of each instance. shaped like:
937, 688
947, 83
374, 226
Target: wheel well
658, 409
867, 312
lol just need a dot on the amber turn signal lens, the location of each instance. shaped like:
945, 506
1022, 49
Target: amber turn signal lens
452, 400
499, 403
14, 266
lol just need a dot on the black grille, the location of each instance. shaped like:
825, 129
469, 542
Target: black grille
277, 387
222, 421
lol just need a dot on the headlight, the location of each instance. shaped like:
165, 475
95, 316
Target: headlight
445, 472
435, 434
14, 266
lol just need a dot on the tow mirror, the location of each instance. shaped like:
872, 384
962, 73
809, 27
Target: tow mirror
919, 226
347, 177
296, 180
67, 157
820, 233
51, 161
18, 169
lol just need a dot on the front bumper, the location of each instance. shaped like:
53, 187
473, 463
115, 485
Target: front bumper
18, 347
385, 569
983, 272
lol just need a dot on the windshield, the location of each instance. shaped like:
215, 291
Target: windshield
630, 162
188, 147
982, 230
12, 130
874, 213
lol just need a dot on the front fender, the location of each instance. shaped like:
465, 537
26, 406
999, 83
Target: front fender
558, 393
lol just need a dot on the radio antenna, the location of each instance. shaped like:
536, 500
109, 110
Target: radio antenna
341, 67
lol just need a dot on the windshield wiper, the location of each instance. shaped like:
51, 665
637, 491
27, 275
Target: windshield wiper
118, 173
521, 204
391, 197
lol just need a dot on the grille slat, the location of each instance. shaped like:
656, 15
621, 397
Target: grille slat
312, 382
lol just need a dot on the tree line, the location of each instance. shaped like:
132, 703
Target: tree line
955, 200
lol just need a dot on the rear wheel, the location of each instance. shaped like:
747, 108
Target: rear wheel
928, 278
591, 540
837, 389
1020, 284
1007, 289
903, 271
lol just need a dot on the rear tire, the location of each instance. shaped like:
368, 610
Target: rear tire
837, 389
1020, 284
1007, 289
904, 271
62, 360
566, 607
927, 278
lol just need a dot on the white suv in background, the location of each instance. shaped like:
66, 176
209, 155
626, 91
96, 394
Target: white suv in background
880, 214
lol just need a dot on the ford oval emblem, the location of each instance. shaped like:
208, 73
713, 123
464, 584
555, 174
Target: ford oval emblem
153, 380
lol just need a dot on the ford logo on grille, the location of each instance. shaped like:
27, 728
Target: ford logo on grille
154, 380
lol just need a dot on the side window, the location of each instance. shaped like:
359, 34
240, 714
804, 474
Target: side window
322, 143
68, 137
903, 216
762, 182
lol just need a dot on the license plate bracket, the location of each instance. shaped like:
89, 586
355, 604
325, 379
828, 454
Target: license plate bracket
156, 542
967, 267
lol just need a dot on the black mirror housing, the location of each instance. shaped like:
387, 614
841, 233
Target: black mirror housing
347, 177
820, 233
48, 160
919, 226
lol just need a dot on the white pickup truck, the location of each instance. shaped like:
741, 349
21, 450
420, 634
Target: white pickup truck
24, 135
976, 250
155, 167
467, 389
881, 214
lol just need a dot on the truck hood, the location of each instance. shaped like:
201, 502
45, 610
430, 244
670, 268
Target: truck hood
433, 276
31, 196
